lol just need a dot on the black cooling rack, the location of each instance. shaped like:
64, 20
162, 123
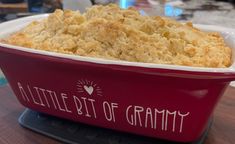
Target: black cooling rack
76, 133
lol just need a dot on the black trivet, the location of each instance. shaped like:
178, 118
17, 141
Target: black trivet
77, 133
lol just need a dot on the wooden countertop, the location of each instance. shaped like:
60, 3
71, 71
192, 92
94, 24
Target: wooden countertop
222, 131
13, 8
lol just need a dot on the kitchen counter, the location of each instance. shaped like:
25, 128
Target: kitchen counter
13, 8
197, 11
209, 12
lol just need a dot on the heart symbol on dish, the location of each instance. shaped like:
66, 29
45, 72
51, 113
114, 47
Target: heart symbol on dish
88, 89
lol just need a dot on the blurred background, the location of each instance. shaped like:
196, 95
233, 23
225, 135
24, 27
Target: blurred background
213, 12
219, 12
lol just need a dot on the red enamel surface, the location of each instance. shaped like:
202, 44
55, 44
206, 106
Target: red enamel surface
162, 103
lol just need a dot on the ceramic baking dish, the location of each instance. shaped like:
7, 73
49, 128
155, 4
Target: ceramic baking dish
155, 100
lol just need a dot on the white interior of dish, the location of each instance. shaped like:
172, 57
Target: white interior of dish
10, 27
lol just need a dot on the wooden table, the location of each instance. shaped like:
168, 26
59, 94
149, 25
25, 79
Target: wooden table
222, 131
13, 8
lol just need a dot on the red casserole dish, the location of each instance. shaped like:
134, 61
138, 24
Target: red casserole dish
155, 100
